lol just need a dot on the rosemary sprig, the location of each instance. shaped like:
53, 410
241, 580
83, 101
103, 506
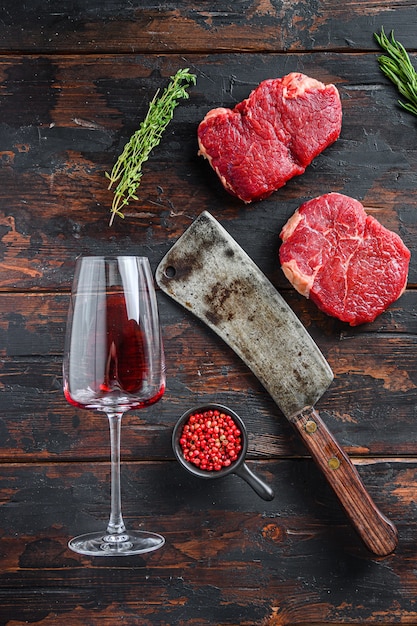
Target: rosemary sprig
396, 66
127, 171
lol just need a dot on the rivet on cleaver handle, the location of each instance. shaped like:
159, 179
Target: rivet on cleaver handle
208, 273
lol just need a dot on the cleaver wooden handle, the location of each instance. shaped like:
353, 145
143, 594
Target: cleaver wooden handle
376, 531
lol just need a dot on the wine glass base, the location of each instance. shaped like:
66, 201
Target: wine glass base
125, 544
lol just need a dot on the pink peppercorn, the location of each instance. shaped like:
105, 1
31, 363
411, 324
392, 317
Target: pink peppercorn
210, 440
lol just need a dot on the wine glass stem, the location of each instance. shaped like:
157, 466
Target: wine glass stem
116, 525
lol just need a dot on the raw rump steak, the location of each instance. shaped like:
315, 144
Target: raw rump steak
271, 136
344, 260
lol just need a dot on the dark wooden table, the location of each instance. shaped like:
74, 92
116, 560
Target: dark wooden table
75, 82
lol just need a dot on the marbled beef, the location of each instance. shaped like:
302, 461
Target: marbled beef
344, 260
271, 136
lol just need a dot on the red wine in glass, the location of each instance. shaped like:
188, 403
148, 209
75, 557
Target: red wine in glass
114, 362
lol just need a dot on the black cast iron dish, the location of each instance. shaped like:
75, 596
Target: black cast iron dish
238, 467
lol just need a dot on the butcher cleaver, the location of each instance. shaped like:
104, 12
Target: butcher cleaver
208, 273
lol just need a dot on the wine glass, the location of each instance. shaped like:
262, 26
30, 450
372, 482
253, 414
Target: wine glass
113, 362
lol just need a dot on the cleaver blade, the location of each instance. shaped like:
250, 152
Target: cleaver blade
208, 273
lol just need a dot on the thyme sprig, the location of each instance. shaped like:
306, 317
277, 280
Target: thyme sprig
127, 171
397, 66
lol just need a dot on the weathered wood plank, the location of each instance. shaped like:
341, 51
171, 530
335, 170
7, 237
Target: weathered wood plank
241, 25
75, 82
61, 133
230, 557
370, 406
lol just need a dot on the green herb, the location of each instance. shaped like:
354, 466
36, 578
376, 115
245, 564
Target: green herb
396, 66
127, 171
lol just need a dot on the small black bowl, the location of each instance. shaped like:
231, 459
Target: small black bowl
238, 467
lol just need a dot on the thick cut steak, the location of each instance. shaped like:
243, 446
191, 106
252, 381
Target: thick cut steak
350, 265
271, 136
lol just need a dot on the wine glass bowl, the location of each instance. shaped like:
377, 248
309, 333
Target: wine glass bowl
113, 362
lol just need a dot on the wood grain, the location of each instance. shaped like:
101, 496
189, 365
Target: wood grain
60, 140
369, 406
223, 543
75, 82
377, 532
242, 25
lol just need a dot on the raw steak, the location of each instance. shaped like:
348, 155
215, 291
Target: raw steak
272, 135
350, 265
